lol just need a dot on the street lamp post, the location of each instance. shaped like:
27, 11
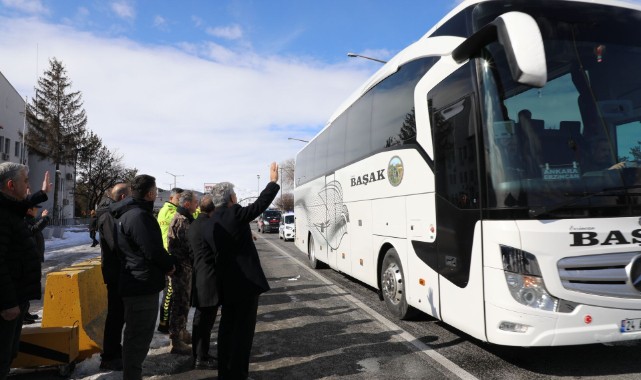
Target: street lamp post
258, 186
354, 55
175, 175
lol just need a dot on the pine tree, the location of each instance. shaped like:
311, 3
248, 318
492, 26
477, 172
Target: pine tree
56, 120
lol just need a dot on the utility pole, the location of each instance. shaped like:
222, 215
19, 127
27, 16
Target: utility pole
258, 186
175, 175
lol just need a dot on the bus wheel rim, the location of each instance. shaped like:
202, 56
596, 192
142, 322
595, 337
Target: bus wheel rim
393, 283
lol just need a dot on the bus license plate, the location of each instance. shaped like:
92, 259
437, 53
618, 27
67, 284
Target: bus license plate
630, 325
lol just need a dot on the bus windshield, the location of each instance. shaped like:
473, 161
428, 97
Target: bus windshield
573, 147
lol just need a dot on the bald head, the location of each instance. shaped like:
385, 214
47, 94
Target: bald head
120, 191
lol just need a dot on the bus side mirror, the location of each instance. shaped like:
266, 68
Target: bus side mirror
521, 38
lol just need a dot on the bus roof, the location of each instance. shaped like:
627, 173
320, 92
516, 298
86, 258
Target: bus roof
438, 46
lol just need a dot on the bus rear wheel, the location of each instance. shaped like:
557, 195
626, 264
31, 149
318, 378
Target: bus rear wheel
393, 286
311, 254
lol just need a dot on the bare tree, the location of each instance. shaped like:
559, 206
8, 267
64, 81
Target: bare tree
285, 203
97, 174
287, 173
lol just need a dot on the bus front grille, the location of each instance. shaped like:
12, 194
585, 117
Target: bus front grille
602, 275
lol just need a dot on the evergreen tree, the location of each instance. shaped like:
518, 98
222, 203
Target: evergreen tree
56, 120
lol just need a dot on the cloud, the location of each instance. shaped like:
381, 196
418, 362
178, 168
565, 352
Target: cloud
124, 10
232, 32
26, 6
160, 22
200, 110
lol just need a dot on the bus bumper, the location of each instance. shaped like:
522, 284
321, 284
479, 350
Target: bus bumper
585, 325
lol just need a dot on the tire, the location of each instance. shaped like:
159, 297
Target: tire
311, 254
393, 286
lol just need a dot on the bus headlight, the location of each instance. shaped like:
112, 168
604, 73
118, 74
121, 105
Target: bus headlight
523, 277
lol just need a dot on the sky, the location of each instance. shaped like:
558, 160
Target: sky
208, 91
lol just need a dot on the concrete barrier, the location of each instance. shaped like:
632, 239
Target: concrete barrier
77, 296
47, 346
58, 232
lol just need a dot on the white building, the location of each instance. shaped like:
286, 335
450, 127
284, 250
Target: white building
12, 125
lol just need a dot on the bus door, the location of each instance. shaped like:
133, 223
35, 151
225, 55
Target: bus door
455, 131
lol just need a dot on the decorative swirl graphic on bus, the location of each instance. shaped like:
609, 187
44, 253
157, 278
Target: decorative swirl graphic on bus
328, 215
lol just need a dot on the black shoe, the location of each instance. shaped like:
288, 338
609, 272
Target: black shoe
209, 363
95, 243
31, 316
162, 328
111, 365
28, 321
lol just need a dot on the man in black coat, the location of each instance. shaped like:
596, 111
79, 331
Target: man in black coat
144, 265
241, 277
204, 292
111, 357
36, 225
19, 261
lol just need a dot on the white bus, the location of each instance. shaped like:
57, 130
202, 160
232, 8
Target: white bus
488, 175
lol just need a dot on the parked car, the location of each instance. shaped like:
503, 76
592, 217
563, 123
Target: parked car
287, 229
269, 221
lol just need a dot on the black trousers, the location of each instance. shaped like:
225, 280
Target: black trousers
115, 321
10, 340
236, 335
203, 322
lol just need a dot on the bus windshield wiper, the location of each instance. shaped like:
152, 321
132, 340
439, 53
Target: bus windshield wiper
581, 196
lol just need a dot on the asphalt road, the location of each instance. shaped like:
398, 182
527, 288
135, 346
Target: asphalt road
320, 324
447, 351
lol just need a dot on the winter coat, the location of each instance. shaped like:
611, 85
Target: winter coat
177, 237
110, 261
201, 241
165, 215
36, 225
20, 269
144, 260
238, 266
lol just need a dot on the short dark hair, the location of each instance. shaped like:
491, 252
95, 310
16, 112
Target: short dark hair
206, 204
141, 185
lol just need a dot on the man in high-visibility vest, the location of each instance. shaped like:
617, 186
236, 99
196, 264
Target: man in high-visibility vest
165, 215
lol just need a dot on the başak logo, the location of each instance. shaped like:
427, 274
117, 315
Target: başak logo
583, 237
368, 177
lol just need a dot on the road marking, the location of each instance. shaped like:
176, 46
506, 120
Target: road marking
422, 347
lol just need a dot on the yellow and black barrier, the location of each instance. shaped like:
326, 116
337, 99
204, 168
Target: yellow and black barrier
73, 319
77, 295
47, 346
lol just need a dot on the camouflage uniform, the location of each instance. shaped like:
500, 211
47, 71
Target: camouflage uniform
181, 279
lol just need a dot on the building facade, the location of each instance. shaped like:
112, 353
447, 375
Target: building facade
12, 149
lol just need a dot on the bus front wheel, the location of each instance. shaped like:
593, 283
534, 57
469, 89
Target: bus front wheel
393, 285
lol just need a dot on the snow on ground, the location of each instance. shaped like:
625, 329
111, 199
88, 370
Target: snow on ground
73, 247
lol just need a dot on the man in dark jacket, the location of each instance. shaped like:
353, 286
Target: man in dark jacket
204, 292
36, 225
144, 264
19, 261
111, 357
241, 277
